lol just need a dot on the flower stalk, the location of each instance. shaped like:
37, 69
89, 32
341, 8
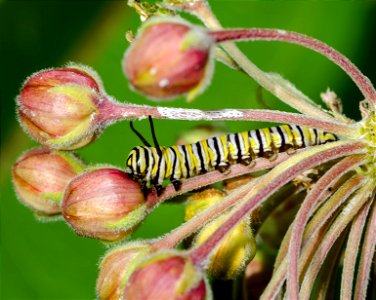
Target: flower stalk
314, 198
312, 239
271, 182
111, 111
258, 34
345, 217
367, 253
352, 251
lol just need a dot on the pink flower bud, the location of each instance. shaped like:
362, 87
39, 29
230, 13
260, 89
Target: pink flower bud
104, 204
166, 276
169, 58
57, 107
116, 267
40, 177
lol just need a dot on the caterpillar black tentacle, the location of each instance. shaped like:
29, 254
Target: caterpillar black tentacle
152, 165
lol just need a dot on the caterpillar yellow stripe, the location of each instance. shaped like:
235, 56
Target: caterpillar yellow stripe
151, 166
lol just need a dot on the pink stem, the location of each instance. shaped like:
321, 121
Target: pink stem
345, 216
314, 198
269, 184
342, 61
351, 252
111, 111
367, 254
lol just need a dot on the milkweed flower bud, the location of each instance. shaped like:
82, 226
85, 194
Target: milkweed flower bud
40, 177
167, 276
169, 58
116, 267
104, 204
201, 200
233, 253
57, 107
235, 250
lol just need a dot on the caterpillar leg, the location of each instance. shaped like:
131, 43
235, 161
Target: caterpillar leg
144, 188
176, 184
272, 155
291, 150
159, 189
223, 168
247, 160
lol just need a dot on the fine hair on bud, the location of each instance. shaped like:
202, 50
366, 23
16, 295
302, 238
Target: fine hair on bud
104, 203
169, 58
40, 177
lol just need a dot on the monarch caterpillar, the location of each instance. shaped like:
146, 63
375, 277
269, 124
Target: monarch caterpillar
152, 165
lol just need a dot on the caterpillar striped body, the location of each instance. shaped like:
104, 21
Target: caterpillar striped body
152, 165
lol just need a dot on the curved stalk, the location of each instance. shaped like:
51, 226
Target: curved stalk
173, 238
112, 111
314, 198
272, 181
366, 256
351, 252
254, 34
279, 274
327, 277
285, 92
313, 233
346, 215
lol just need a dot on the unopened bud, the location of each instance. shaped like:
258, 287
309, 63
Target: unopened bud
40, 177
167, 276
233, 253
57, 107
201, 200
235, 250
116, 267
169, 58
104, 204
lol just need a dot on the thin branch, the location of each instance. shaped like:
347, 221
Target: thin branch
279, 274
285, 92
314, 198
272, 181
351, 252
327, 276
112, 111
192, 225
346, 215
313, 233
366, 255
363, 83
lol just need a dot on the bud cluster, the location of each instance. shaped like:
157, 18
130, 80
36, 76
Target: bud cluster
67, 108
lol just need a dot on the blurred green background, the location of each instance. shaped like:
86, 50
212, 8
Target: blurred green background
47, 260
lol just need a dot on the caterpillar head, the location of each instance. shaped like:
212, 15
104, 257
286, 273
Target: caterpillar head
131, 163
136, 163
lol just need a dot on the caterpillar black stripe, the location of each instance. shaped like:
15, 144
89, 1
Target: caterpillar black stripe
152, 165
